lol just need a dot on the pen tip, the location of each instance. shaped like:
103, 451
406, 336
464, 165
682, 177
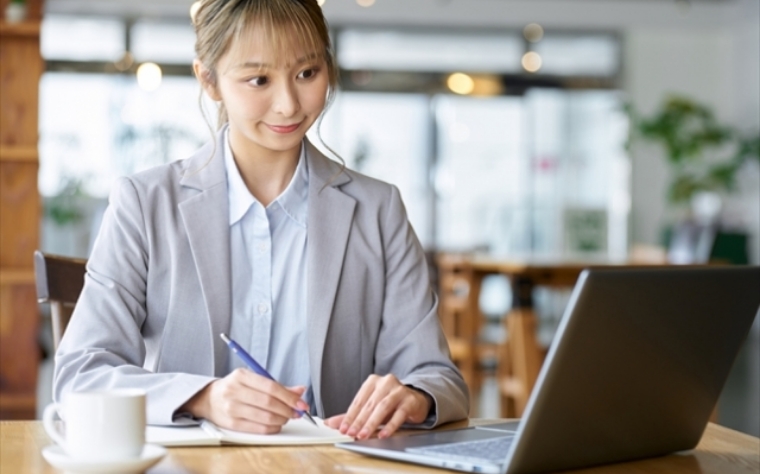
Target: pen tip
308, 416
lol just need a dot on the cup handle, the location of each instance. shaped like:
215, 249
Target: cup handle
48, 422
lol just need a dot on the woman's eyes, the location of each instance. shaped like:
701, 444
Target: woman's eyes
260, 81
308, 73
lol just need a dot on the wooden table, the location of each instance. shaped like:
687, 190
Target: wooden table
721, 451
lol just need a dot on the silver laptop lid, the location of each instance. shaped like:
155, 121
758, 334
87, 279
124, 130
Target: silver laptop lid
636, 366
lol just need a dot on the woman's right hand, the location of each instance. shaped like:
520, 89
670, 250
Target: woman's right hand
246, 401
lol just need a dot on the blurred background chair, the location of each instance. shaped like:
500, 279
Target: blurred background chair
59, 281
472, 348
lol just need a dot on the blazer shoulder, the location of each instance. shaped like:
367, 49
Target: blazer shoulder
366, 189
203, 163
154, 190
168, 174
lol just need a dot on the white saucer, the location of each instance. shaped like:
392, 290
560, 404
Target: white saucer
151, 454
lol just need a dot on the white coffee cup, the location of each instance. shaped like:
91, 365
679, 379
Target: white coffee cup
106, 425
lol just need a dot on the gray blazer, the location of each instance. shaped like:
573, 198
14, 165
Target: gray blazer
157, 292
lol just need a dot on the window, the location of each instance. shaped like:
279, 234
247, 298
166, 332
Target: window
82, 38
442, 51
161, 42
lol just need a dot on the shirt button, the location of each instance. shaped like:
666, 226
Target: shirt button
262, 247
262, 308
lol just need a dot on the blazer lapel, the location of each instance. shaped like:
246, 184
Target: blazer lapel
206, 219
330, 215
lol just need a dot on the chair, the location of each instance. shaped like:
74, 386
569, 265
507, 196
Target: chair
461, 324
59, 281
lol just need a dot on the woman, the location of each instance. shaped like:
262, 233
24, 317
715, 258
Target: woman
311, 267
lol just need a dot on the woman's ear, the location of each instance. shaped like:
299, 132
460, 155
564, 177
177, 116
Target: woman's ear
207, 80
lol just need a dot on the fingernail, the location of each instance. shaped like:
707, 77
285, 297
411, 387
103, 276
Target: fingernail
343, 427
352, 432
382, 434
302, 405
363, 434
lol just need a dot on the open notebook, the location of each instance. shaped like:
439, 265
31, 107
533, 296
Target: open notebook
295, 432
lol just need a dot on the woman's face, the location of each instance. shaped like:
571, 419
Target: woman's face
271, 100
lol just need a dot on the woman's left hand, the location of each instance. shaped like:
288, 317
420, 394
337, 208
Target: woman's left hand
382, 400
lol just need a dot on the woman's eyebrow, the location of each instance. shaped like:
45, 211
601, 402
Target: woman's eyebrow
259, 65
307, 58
251, 65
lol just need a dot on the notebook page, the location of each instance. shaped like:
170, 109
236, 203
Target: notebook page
295, 432
180, 436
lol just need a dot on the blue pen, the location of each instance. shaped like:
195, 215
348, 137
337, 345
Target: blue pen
254, 366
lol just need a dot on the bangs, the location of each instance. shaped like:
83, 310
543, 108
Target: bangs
283, 27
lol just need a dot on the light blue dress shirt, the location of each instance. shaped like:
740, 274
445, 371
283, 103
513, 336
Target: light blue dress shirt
268, 250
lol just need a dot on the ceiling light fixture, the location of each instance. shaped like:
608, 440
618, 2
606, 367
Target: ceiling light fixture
149, 76
533, 32
460, 83
531, 61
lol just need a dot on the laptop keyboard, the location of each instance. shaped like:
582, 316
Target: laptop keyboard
493, 450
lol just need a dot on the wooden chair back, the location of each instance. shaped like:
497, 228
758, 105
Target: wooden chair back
59, 281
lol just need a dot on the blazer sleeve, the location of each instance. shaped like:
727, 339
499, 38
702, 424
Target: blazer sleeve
103, 346
411, 343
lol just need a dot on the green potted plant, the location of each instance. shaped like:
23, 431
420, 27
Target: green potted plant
705, 158
704, 155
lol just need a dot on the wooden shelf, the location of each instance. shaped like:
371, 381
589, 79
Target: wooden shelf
24, 154
20, 209
18, 406
26, 28
15, 277
17, 400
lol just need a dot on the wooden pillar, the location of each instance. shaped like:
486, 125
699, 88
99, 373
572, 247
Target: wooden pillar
21, 66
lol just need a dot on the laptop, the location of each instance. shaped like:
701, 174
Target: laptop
634, 371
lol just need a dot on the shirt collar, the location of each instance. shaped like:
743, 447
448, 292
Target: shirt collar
293, 200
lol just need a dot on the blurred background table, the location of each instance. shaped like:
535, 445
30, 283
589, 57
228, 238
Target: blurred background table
520, 356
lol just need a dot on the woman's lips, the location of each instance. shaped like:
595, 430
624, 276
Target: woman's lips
284, 128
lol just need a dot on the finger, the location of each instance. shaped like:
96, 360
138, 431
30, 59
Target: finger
297, 389
269, 402
335, 421
252, 414
384, 410
381, 390
236, 401
273, 389
243, 386
232, 412
358, 403
248, 426
399, 417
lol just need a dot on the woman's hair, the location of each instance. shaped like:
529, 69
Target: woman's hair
289, 25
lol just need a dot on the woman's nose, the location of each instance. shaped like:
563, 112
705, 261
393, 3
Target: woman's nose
286, 100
